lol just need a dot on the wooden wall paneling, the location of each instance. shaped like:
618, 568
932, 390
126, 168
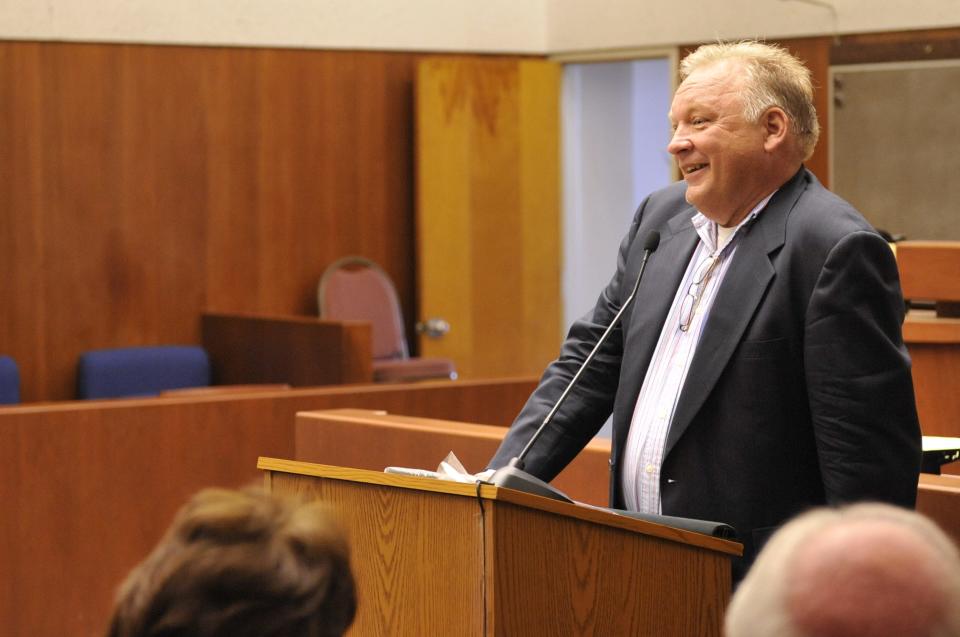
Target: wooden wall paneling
89, 487
144, 184
815, 53
896, 46
232, 85
22, 192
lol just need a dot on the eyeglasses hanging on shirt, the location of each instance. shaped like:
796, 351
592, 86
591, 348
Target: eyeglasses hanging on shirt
701, 276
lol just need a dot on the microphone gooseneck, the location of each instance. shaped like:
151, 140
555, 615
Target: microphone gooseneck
513, 476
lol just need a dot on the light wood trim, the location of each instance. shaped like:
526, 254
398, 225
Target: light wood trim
490, 492
923, 326
488, 211
374, 477
929, 269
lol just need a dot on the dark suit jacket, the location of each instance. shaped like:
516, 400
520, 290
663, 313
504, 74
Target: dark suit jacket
799, 393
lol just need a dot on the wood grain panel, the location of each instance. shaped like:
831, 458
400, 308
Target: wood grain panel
936, 379
535, 593
488, 211
896, 46
416, 555
299, 351
929, 269
938, 497
142, 184
815, 53
367, 440
89, 487
545, 567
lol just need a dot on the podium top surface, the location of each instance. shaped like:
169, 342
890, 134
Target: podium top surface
483, 491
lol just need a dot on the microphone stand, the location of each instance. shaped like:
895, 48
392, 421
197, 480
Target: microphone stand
513, 476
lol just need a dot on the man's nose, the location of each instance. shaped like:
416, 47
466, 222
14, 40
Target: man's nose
678, 143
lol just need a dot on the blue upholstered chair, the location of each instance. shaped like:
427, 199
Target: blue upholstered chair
141, 371
9, 381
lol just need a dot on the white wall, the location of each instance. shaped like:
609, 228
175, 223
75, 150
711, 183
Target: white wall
615, 133
420, 25
575, 25
523, 26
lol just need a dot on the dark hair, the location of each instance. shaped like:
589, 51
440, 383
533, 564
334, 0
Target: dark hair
239, 564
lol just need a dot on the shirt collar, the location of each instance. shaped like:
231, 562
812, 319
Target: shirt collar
707, 229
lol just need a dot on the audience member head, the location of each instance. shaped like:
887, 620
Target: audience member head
867, 570
238, 564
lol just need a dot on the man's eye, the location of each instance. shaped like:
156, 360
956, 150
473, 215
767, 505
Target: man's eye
698, 121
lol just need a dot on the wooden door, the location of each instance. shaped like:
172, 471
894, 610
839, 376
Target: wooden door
488, 211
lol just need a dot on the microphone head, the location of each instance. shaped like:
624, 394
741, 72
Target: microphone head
652, 242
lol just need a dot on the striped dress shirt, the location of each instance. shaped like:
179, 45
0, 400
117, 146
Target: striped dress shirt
668, 368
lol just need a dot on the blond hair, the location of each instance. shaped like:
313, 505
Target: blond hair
774, 77
241, 564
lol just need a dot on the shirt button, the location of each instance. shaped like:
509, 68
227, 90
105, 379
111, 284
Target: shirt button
649, 468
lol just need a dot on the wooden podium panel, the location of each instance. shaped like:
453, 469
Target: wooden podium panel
416, 554
588, 579
433, 557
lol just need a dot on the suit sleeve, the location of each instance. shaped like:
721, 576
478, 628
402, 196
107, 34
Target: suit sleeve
858, 376
589, 405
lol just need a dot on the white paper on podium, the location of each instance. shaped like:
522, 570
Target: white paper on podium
450, 468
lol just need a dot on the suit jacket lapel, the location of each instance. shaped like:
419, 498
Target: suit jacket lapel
665, 269
737, 300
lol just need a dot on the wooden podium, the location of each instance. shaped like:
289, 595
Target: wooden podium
434, 557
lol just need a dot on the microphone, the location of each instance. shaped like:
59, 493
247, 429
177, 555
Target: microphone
513, 476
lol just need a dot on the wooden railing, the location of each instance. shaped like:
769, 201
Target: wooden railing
87, 488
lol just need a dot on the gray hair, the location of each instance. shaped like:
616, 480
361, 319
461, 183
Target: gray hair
774, 77
762, 605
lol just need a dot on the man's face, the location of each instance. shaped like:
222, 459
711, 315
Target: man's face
721, 156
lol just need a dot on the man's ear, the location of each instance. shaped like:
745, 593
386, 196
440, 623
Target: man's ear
776, 127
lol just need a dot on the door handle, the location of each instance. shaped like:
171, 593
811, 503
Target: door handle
433, 327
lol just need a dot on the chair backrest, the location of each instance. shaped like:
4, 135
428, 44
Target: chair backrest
9, 381
357, 289
141, 371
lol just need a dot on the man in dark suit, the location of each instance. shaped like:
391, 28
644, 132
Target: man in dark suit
761, 369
